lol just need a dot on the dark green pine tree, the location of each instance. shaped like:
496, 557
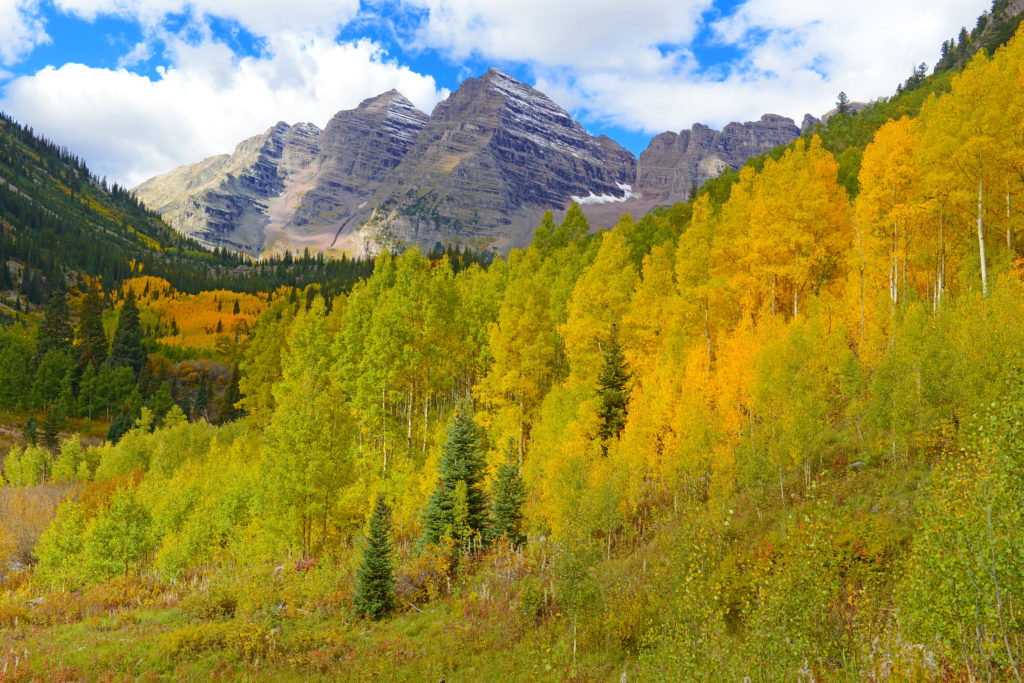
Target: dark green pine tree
375, 588
232, 395
120, 426
126, 349
161, 401
52, 424
201, 400
30, 432
461, 461
55, 332
509, 494
611, 389
92, 340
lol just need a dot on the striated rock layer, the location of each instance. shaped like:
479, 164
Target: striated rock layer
675, 163
480, 170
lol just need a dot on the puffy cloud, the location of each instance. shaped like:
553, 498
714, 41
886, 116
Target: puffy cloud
640, 36
261, 17
630, 65
21, 29
130, 127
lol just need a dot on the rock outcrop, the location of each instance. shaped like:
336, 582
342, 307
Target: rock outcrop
675, 163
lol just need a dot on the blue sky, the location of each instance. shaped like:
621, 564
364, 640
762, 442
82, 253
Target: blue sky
137, 87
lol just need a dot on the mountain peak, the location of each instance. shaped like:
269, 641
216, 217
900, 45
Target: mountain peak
390, 99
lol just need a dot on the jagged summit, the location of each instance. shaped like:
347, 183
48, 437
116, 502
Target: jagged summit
480, 169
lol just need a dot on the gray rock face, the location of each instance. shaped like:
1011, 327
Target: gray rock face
809, 122
224, 201
358, 149
492, 158
480, 170
674, 163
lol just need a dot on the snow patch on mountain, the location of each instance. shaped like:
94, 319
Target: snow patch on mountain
627, 193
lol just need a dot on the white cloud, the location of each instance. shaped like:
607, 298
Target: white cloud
260, 17
130, 127
602, 59
21, 29
591, 34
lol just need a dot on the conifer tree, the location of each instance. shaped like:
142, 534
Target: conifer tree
375, 590
201, 400
52, 424
126, 349
461, 461
509, 494
30, 432
161, 401
227, 411
612, 391
92, 340
119, 427
55, 332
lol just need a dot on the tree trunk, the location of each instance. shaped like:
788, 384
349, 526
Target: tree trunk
894, 274
1009, 235
981, 234
426, 420
707, 328
942, 264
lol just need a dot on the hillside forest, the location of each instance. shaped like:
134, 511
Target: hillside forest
771, 434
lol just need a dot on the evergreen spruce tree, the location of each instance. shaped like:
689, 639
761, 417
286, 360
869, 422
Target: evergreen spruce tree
55, 332
52, 424
375, 590
30, 432
842, 104
461, 461
612, 392
161, 401
119, 427
509, 494
126, 349
92, 340
232, 395
202, 399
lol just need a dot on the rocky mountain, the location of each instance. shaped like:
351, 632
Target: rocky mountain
480, 170
674, 163
491, 159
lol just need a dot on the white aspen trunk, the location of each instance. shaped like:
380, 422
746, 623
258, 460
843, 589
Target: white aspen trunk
707, 328
981, 234
1009, 234
796, 299
942, 263
408, 427
894, 275
384, 429
426, 420
522, 429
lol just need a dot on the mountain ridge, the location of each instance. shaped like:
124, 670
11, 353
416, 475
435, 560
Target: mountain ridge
479, 170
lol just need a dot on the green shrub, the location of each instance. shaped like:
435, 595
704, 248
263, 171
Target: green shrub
215, 604
247, 640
